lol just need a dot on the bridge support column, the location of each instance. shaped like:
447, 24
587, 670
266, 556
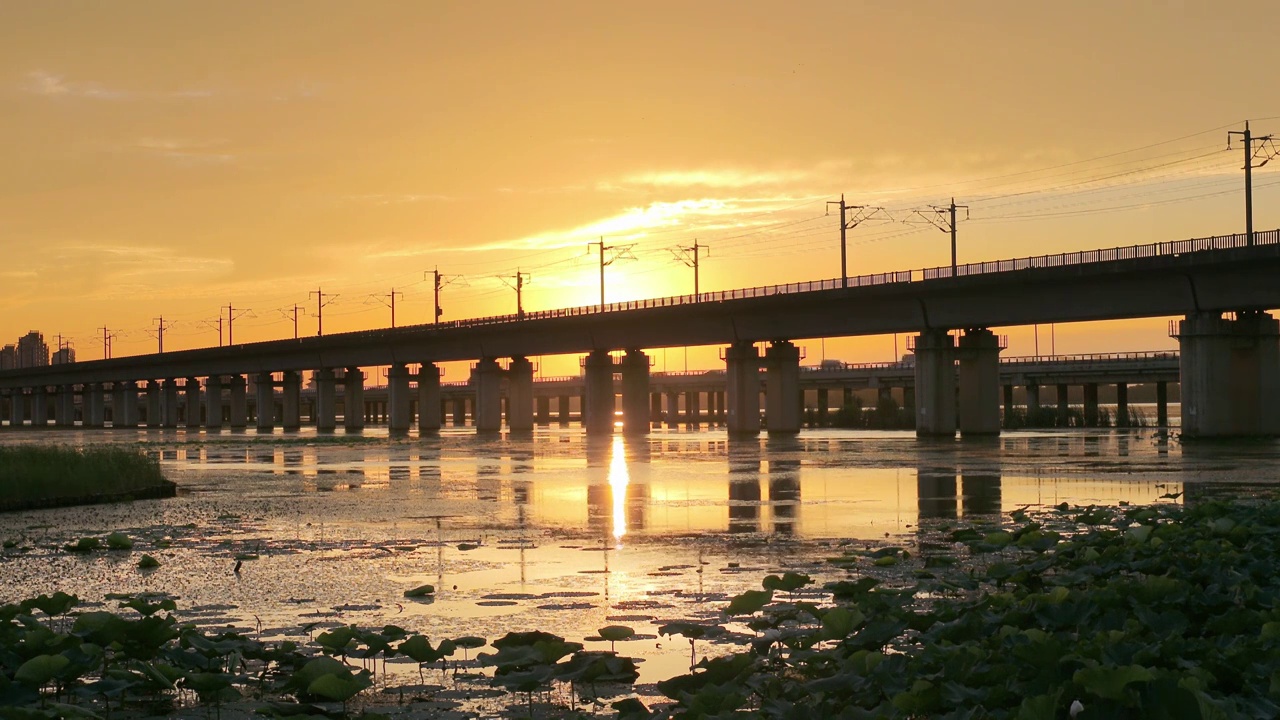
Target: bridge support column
692, 409
1008, 405
543, 412
291, 410
429, 408
1064, 407
979, 355
935, 384
326, 407
1122, 405
239, 407
487, 381
17, 408
824, 400
213, 402
94, 406
191, 389
562, 409
782, 398
353, 400
1162, 404
1230, 375
600, 402
125, 411
155, 404
655, 407
40, 407
170, 403
459, 412
399, 415
1033, 404
1091, 405
265, 399
64, 408
520, 395
635, 393
673, 409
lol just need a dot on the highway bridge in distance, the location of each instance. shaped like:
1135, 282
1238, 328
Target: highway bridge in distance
1224, 376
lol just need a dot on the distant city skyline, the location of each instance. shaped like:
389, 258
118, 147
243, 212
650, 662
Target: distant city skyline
249, 157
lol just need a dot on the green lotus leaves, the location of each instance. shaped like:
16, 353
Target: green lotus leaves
146, 562
420, 591
41, 669
749, 602
119, 541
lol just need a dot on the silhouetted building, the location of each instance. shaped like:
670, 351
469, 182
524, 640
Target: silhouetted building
33, 351
64, 355
9, 357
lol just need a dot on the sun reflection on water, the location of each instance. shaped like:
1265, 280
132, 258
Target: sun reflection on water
618, 481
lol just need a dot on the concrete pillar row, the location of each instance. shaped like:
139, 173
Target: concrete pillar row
238, 408
459, 412
326, 407
155, 404
291, 406
1033, 400
399, 414
562, 409
935, 384
265, 400
692, 408
520, 395
1230, 375
430, 410
17, 408
1122, 405
486, 379
782, 387
673, 410
1064, 406
742, 389
1162, 404
635, 392
599, 401
353, 400
542, 413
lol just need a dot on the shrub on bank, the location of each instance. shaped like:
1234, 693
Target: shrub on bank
34, 476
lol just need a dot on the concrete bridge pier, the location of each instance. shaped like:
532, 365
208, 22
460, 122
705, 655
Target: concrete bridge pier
979, 356
1091, 405
1122, 405
239, 406
673, 409
782, 387
399, 413
520, 395
562, 409
935, 384
291, 410
429, 409
170, 415
191, 389
1064, 406
692, 408
1008, 404
635, 393
17, 408
486, 378
95, 412
1033, 400
124, 410
742, 388
598, 409
459, 412
543, 412
1162, 404
326, 408
155, 404
213, 402
64, 409
40, 407
265, 399
353, 400
1230, 375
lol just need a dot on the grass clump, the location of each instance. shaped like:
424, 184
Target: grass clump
42, 476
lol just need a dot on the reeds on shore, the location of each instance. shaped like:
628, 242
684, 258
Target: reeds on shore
46, 475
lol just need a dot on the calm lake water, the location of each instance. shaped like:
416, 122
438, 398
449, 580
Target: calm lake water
558, 531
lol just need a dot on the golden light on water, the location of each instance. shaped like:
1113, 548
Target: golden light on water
618, 481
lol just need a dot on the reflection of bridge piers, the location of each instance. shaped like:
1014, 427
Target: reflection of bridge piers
617, 485
948, 487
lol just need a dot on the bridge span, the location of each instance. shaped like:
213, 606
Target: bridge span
1228, 365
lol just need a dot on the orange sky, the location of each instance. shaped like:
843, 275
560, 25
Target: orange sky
171, 158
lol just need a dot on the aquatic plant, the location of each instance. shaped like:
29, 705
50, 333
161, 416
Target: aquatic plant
34, 475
